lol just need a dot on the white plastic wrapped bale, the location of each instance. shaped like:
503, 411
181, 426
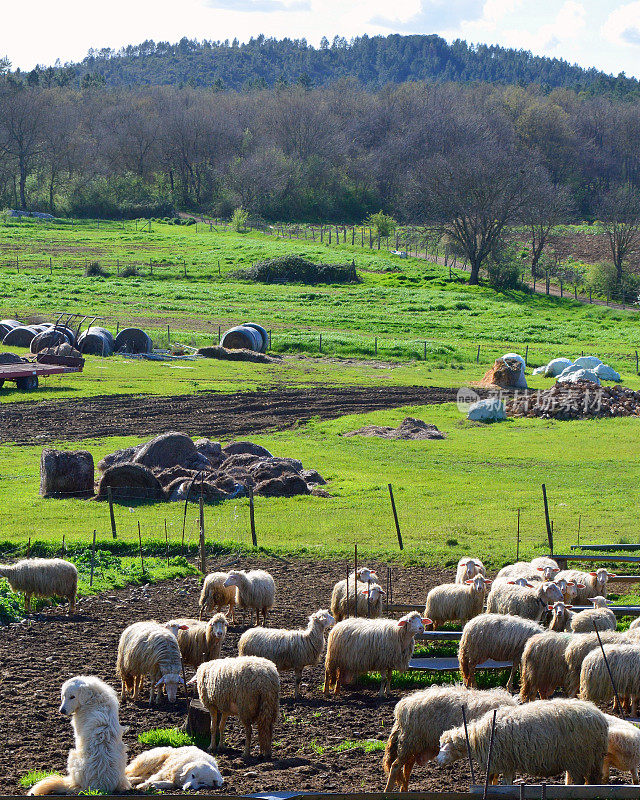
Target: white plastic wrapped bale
540, 370
489, 410
607, 373
571, 375
556, 367
587, 362
511, 357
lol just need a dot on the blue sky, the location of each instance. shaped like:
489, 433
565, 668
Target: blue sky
599, 33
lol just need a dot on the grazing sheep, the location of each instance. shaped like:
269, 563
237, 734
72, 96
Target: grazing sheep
146, 648
589, 584
455, 602
578, 649
523, 601
200, 641
423, 716
356, 646
289, 650
524, 569
98, 760
543, 668
43, 577
498, 636
599, 617
540, 738
468, 568
623, 752
216, 596
187, 768
561, 617
256, 590
245, 686
339, 607
624, 663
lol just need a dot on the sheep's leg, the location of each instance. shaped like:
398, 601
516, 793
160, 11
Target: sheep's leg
296, 691
123, 692
634, 775
338, 679
265, 611
407, 773
394, 775
223, 725
247, 740
215, 722
327, 682
72, 604
232, 613
385, 686
265, 737
27, 602
512, 676
606, 769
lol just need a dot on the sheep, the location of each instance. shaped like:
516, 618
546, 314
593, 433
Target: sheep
358, 645
623, 751
468, 568
97, 762
540, 738
635, 624
523, 601
216, 596
599, 616
589, 584
543, 668
623, 661
245, 686
545, 563
497, 636
513, 582
524, 569
43, 577
339, 607
578, 649
200, 641
289, 650
561, 616
568, 588
256, 590
421, 718
456, 602
146, 648
174, 768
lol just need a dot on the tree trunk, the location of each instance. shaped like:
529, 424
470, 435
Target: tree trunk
23, 183
474, 276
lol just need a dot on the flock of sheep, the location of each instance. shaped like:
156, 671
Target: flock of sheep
532, 737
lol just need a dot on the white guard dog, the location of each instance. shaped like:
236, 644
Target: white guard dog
174, 768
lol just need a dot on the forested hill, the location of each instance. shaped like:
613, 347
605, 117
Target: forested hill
373, 61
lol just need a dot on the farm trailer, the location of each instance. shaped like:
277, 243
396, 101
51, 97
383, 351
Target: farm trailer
26, 374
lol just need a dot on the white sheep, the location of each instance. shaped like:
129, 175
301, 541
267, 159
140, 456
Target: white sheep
589, 584
289, 650
187, 768
561, 616
623, 751
356, 646
245, 686
468, 568
523, 601
422, 717
256, 590
545, 563
200, 641
357, 583
456, 602
147, 648
599, 617
540, 738
524, 569
43, 577
578, 649
215, 595
568, 588
542, 666
623, 661
498, 636
635, 624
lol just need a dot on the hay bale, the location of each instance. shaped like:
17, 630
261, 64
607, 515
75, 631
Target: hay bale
221, 353
124, 456
183, 490
7, 325
313, 478
64, 349
263, 334
170, 450
21, 336
210, 450
503, 374
96, 341
173, 474
10, 358
133, 340
64, 473
226, 483
236, 448
287, 485
243, 460
242, 337
130, 482
51, 338
274, 467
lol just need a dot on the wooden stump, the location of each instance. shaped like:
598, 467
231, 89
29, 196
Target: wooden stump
198, 720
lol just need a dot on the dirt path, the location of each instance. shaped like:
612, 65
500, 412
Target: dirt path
206, 414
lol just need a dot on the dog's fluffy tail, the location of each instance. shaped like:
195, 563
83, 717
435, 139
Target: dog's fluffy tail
52, 784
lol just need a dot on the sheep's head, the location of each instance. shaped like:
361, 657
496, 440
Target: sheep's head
323, 617
200, 775
218, 625
450, 747
599, 601
480, 584
520, 582
233, 578
172, 682
569, 589
550, 592
472, 567
175, 627
559, 609
601, 575
413, 623
548, 572
374, 591
365, 575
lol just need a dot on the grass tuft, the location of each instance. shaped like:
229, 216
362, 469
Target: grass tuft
171, 737
33, 776
367, 745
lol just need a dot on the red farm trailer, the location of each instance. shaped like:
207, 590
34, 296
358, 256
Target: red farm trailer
27, 373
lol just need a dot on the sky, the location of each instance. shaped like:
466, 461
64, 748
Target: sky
593, 33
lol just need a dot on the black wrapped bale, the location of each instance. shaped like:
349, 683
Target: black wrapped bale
263, 334
21, 336
133, 340
10, 358
52, 337
130, 482
66, 473
242, 338
96, 341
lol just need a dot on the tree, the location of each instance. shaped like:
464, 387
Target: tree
546, 207
620, 213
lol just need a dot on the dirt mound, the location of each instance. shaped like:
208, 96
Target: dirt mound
130, 482
579, 400
409, 428
216, 351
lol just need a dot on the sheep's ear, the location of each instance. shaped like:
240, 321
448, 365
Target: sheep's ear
487, 583
402, 623
611, 575
511, 583
571, 583
183, 627
541, 569
595, 574
427, 621
568, 606
580, 585
468, 581
364, 591
550, 608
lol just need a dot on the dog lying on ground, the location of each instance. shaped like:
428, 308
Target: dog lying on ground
174, 768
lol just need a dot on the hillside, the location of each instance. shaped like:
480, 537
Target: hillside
372, 61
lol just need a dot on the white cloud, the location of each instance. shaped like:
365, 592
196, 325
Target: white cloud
622, 26
432, 16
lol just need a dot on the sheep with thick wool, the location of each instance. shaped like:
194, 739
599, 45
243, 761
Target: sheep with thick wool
422, 717
356, 646
468, 568
346, 593
578, 649
245, 686
524, 569
523, 601
623, 660
97, 762
542, 666
545, 563
147, 648
200, 641
498, 636
589, 584
599, 617
256, 590
540, 738
187, 768
289, 650
43, 577
561, 616
456, 602
623, 751
215, 595
569, 589
635, 625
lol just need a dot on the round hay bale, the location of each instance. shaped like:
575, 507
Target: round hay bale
242, 460
21, 336
133, 340
211, 451
10, 323
188, 490
96, 341
124, 456
170, 450
285, 486
64, 473
236, 448
167, 477
242, 338
130, 482
10, 358
52, 337
263, 334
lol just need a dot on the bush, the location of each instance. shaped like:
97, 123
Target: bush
239, 220
296, 269
504, 268
129, 272
383, 223
94, 270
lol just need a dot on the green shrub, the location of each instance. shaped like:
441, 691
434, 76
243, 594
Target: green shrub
383, 223
504, 268
94, 270
296, 269
239, 220
129, 272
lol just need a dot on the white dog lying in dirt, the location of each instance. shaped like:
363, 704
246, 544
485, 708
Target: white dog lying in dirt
99, 758
174, 768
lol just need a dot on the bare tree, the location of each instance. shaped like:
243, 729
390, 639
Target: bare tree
546, 207
619, 210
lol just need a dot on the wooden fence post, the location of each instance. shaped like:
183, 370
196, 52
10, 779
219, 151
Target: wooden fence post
140, 546
114, 533
395, 516
93, 558
252, 519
